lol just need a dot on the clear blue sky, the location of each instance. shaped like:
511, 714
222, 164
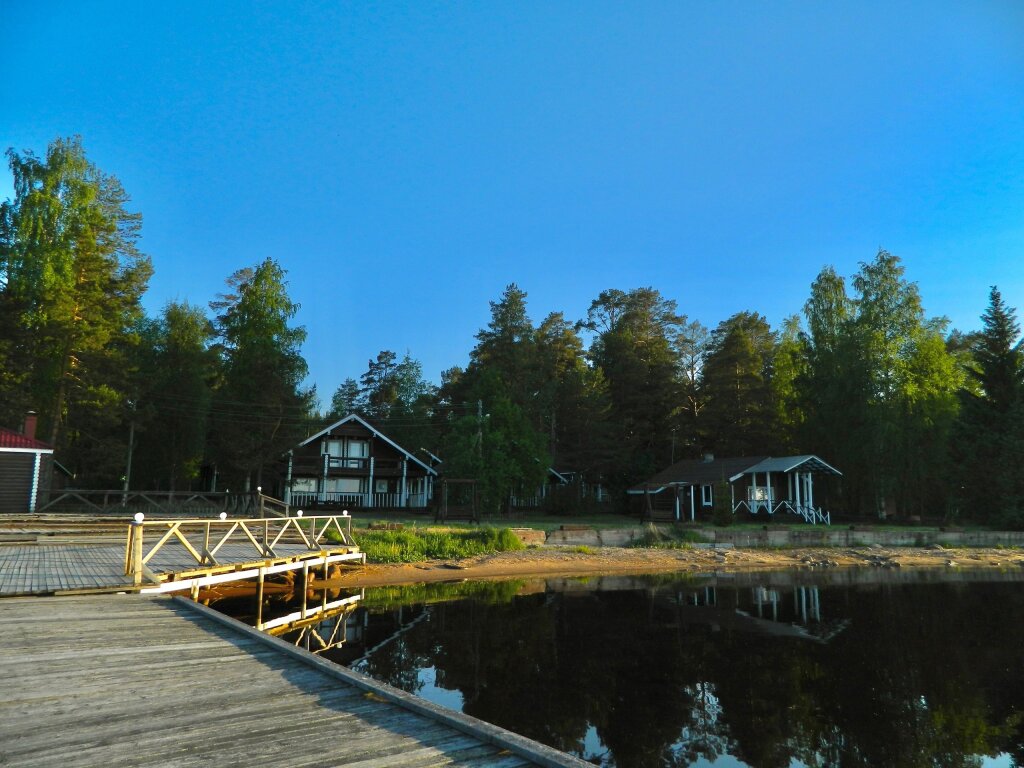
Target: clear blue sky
404, 162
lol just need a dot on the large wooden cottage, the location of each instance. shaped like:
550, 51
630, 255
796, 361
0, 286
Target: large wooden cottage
757, 485
351, 463
26, 469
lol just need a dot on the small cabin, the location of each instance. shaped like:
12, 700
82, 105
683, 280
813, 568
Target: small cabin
757, 485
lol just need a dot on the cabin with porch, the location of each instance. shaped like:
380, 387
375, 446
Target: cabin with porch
352, 464
758, 485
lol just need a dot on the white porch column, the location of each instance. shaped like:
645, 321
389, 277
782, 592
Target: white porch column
693, 514
676, 489
753, 492
323, 476
288, 481
768, 488
798, 484
405, 485
371, 489
34, 493
810, 490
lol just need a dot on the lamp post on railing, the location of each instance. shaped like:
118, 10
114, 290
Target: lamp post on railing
134, 557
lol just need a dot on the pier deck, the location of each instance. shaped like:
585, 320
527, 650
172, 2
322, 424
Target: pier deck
130, 680
175, 554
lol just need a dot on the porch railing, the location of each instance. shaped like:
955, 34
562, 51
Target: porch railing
306, 499
807, 512
203, 539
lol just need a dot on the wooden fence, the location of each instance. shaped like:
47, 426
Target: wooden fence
192, 503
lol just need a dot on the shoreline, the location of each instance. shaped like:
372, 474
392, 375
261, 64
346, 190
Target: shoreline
553, 562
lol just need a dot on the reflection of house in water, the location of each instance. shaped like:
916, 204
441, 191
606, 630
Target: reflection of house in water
762, 610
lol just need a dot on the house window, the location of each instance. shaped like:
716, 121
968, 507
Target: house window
345, 484
358, 449
304, 484
707, 495
381, 486
757, 494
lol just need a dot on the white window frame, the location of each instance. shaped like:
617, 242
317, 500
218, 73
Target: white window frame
707, 495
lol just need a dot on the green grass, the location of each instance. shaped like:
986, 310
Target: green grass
418, 544
668, 537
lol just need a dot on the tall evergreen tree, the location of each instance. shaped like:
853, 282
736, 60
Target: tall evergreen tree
346, 400
493, 409
634, 347
739, 417
260, 408
71, 277
172, 409
987, 449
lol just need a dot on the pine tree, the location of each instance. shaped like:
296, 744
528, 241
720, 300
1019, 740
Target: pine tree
988, 438
260, 409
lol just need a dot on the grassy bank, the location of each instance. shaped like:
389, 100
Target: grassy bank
418, 544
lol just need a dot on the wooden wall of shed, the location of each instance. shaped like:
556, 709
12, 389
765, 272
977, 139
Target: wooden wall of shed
15, 481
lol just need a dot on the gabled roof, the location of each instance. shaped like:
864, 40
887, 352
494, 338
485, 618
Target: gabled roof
376, 432
709, 472
805, 463
15, 441
562, 479
697, 472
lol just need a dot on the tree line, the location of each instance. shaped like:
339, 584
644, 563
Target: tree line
921, 419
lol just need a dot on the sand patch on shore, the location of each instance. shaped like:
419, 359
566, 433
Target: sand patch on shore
573, 561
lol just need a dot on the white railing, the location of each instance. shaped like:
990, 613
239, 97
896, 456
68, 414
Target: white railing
306, 499
807, 512
203, 539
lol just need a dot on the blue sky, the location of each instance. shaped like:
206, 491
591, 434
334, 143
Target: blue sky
404, 162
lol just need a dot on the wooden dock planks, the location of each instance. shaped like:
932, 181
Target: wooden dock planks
127, 680
55, 568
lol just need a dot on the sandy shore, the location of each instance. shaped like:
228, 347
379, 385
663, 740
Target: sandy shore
568, 561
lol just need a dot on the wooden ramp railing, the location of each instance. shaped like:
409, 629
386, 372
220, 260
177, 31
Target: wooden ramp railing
204, 539
191, 503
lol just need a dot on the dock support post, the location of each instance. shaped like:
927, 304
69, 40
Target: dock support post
135, 553
259, 599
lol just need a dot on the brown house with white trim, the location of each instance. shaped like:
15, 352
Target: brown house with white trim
757, 485
351, 463
26, 469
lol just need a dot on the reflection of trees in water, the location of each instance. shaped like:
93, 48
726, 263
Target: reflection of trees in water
921, 675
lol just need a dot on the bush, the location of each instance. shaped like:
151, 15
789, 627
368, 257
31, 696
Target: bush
722, 516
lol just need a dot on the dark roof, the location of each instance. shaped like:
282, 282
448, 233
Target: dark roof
11, 439
356, 418
699, 472
806, 463
705, 472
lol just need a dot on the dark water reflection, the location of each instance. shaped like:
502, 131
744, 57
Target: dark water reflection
766, 670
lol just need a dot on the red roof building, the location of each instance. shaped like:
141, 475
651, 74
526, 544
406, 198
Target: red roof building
26, 469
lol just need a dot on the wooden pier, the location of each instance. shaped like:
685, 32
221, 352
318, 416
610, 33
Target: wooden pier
174, 555
132, 680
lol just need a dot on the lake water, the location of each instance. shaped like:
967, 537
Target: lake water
850, 668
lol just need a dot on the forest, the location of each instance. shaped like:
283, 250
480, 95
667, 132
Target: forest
922, 419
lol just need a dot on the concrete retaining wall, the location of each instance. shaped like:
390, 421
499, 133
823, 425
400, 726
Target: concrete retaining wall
820, 536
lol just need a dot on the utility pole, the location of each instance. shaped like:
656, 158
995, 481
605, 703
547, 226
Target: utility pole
479, 428
128, 468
